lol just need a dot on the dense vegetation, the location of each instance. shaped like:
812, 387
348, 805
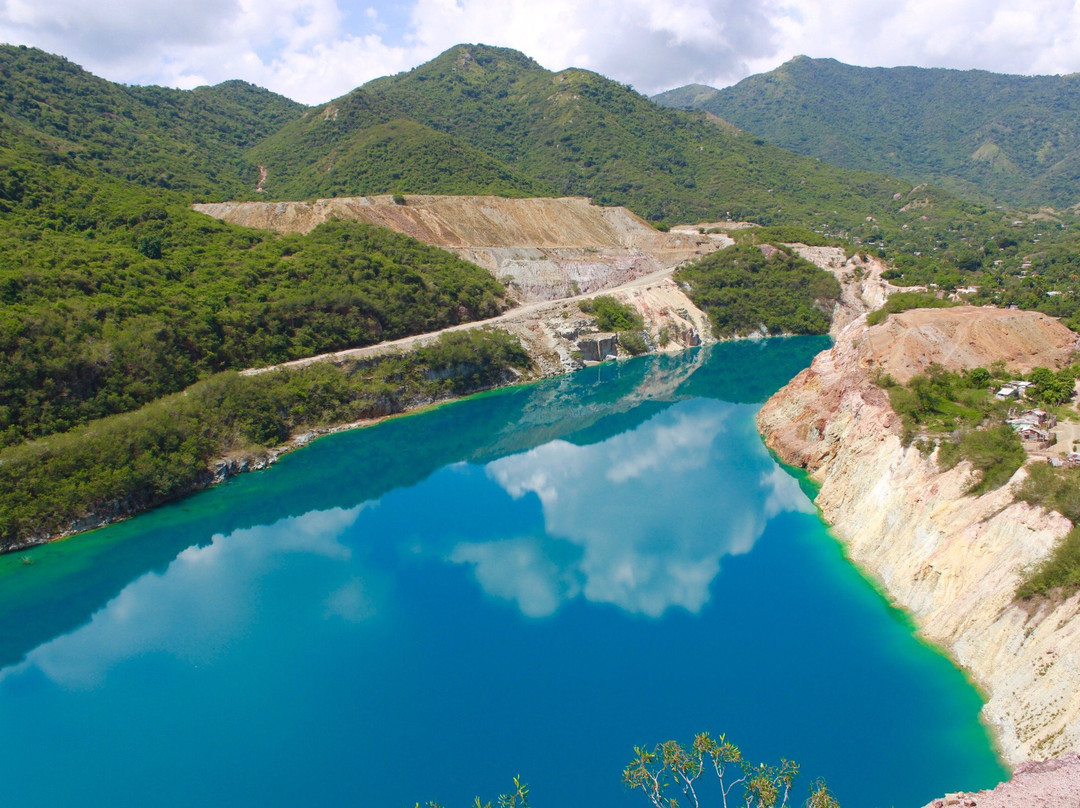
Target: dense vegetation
753, 289
576, 133
397, 156
113, 296
611, 315
983, 135
488, 120
191, 141
113, 293
1033, 271
579, 133
996, 452
1056, 489
127, 462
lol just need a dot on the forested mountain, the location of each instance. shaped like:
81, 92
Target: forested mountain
114, 294
190, 141
1014, 139
575, 132
571, 133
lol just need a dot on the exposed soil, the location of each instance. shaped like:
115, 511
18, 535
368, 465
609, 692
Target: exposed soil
544, 249
1048, 784
966, 337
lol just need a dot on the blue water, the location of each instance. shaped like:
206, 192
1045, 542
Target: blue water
528, 582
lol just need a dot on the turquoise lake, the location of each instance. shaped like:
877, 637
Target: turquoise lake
527, 582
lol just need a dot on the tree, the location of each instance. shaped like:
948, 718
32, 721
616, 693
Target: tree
663, 772
978, 377
518, 798
1053, 388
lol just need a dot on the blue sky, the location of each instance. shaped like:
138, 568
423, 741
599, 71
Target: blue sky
315, 50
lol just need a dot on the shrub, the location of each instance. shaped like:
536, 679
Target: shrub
1059, 574
611, 315
997, 453
633, 342
1056, 489
744, 290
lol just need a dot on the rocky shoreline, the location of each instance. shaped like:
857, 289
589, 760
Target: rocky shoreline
1046, 784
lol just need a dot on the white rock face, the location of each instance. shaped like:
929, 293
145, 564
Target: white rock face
949, 559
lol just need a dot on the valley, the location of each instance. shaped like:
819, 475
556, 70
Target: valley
455, 229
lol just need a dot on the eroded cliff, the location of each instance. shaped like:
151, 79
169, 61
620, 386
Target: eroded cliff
950, 559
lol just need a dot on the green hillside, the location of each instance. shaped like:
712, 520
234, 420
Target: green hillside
579, 133
113, 292
573, 133
689, 96
983, 135
371, 154
191, 141
115, 295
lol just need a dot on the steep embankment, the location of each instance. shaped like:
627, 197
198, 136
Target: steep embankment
951, 560
544, 248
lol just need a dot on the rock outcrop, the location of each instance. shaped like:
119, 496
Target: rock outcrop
862, 288
949, 559
1046, 784
599, 347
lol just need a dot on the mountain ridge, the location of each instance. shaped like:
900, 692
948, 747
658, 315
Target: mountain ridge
986, 135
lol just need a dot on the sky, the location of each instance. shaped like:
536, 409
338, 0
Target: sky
316, 50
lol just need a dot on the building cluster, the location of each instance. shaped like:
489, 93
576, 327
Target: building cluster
1069, 461
1033, 425
1017, 390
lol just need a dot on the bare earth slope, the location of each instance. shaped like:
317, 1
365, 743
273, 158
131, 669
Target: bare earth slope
967, 337
1047, 784
949, 559
545, 248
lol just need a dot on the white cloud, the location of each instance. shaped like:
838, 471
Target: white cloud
520, 570
1042, 36
644, 43
295, 47
314, 50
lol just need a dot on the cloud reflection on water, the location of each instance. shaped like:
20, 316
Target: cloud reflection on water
201, 604
641, 520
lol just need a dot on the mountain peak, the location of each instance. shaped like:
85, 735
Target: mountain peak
470, 57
